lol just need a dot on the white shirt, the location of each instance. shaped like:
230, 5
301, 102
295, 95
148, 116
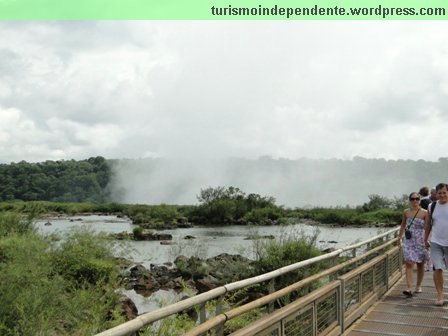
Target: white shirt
440, 224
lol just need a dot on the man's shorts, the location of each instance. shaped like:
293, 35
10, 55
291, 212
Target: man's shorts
439, 254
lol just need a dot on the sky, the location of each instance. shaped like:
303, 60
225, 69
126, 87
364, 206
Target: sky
204, 89
207, 91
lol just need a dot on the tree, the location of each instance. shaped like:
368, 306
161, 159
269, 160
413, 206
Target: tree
377, 202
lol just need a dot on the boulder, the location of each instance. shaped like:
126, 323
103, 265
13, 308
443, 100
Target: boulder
128, 308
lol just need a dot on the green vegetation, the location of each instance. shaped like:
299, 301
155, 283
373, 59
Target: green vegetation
232, 206
57, 181
379, 210
290, 248
73, 187
55, 287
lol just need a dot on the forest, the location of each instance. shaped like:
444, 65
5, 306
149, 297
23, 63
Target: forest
57, 181
293, 183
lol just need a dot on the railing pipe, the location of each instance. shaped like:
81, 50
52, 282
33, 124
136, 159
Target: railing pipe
147, 318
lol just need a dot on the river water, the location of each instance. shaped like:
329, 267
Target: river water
208, 242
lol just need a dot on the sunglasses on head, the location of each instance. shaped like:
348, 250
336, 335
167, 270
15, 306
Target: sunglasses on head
414, 199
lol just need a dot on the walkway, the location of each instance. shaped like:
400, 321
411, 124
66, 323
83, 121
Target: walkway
399, 316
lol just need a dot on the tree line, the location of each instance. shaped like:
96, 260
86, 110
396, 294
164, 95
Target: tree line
300, 182
56, 181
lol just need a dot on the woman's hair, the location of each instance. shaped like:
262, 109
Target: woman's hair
413, 193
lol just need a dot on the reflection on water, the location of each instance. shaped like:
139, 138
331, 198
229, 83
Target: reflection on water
210, 241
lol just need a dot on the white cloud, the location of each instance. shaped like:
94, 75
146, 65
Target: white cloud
222, 89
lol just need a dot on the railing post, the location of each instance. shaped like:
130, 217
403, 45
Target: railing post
220, 328
333, 262
306, 273
342, 305
271, 289
202, 313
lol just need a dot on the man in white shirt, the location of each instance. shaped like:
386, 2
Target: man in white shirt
438, 223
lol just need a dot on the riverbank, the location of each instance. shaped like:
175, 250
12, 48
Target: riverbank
180, 216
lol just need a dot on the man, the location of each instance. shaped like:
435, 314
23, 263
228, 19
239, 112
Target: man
438, 223
424, 197
433, 196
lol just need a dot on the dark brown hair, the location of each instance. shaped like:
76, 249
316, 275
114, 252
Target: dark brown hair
441, 185
413, 193
424, 191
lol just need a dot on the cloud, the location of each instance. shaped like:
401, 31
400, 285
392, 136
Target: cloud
222, 89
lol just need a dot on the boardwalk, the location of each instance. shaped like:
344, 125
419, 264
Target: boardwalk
399, 316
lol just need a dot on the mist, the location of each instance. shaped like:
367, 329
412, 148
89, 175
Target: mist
293, 183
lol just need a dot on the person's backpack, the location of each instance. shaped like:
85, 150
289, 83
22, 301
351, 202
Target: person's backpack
433, 206
424, 202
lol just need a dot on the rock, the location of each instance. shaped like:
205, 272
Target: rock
137, 270
123, 235
189, 237
205, 284
184, 225
146, 285
196, 273
149, 235
128, 307
259, 237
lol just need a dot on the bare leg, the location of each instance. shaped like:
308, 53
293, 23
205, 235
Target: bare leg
420, 275
438, 282
409, 274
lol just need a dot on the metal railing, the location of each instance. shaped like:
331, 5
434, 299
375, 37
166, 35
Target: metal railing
344, 292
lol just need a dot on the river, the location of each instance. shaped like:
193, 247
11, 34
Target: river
209, 241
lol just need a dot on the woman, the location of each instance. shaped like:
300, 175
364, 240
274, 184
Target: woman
414, 251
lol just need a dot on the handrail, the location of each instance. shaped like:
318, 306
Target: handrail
147, 318
215, 321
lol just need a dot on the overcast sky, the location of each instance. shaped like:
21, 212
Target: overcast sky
297, 89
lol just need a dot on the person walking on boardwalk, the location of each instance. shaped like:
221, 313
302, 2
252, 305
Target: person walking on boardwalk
424, 197
433, 195
414, 251
437, 222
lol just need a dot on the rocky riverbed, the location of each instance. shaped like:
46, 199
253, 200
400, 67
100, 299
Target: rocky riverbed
198, 274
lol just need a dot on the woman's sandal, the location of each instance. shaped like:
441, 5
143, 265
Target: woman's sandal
407, 293
418, 290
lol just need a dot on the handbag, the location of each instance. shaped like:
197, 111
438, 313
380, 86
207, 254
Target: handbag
407, 232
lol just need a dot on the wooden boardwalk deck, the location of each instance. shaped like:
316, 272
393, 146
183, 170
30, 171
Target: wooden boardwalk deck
400, 316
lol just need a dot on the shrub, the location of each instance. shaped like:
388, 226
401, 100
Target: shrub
12, 223
39, 299
138, 232
84, 256
260, 214
289, 249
